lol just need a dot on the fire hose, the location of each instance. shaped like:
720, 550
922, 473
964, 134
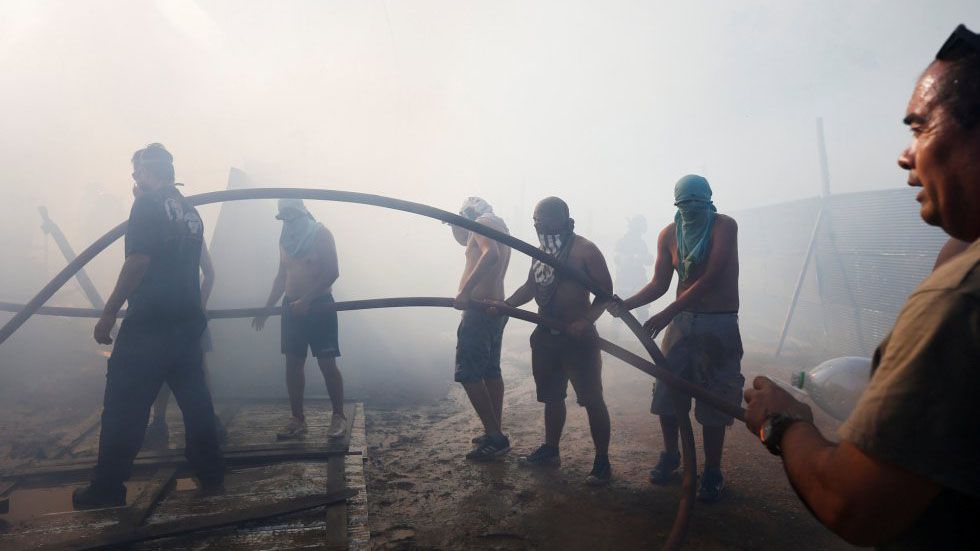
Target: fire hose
659, 368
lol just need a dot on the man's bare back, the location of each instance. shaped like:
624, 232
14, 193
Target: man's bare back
307, 276
721, 293
491, 285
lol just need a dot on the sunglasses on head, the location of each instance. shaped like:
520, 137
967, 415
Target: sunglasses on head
961, 43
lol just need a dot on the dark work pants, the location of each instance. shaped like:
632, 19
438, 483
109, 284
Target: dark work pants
143, 358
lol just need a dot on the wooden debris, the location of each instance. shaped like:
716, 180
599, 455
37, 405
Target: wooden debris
115, 537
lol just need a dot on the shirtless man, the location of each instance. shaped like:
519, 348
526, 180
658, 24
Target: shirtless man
307, 270
480, 334
702, 343
559, 357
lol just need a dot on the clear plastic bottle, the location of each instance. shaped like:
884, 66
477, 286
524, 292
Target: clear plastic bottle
835, 385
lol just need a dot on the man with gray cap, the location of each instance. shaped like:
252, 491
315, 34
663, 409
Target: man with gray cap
480, 334
307, 271
703, 342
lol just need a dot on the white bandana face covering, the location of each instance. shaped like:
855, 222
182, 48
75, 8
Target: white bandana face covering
544, 274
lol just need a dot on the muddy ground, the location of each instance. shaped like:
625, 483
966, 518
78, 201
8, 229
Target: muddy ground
424, 495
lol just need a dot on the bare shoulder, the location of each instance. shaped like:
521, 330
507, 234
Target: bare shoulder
725, 221
323, 232
667, 235
585, 248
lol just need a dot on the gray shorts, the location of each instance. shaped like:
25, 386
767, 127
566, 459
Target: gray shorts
478, 341
706, 350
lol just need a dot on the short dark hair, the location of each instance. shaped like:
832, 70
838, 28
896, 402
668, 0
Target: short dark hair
157, 160
554, 206
959, 90
959, 84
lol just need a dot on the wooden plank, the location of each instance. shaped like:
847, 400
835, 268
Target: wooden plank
115, 537
261, 457
74, 436
140, 508
6, 486
336, 537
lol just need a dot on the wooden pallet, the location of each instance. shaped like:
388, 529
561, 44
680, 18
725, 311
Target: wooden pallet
270, 497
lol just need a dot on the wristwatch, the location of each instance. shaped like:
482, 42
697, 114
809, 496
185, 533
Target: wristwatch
774, 428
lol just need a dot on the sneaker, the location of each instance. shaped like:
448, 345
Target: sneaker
157, 435
479, 439
99, 497
546, 455
338, 426
601, 473
296, 428
666, 466
491, 447
712, 484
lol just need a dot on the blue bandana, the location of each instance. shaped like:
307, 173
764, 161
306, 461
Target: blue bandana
694, 219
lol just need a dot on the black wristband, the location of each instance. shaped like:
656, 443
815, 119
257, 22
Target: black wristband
772, 431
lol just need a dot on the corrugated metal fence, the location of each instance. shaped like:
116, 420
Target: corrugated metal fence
872, 249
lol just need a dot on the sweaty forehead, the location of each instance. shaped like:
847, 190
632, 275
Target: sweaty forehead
926, 90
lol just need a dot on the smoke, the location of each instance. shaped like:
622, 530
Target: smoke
605, 106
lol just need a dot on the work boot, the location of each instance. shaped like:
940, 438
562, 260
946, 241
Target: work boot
338, 426
493, 446
601, 472
712, 484
545, 456
295, 429
666, 466
209, 488
157, 435
99, 497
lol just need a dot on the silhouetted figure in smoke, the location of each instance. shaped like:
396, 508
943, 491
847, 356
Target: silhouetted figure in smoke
307, 271
631, 259
703, 342
480, 334
157, 432
159, 341
904, 474
558, 357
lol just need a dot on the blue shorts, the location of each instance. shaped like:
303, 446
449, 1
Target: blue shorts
706, 350
317, 330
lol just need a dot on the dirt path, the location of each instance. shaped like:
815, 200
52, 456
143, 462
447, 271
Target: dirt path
424, 495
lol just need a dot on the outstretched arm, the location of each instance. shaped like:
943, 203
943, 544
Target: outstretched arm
598, 272
278, 288
861, 498
130, 276
663, 272
523, 294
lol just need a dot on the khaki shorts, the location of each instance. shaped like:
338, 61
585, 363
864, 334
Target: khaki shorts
557, 359
706, 350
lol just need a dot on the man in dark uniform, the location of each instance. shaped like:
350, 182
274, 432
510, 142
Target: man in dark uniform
159, 341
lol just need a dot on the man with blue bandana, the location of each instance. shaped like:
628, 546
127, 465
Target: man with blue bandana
307, 272
703, 343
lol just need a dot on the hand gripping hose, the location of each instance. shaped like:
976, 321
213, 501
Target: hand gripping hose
658, 369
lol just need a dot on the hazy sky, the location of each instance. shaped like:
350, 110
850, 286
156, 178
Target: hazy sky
603, 103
